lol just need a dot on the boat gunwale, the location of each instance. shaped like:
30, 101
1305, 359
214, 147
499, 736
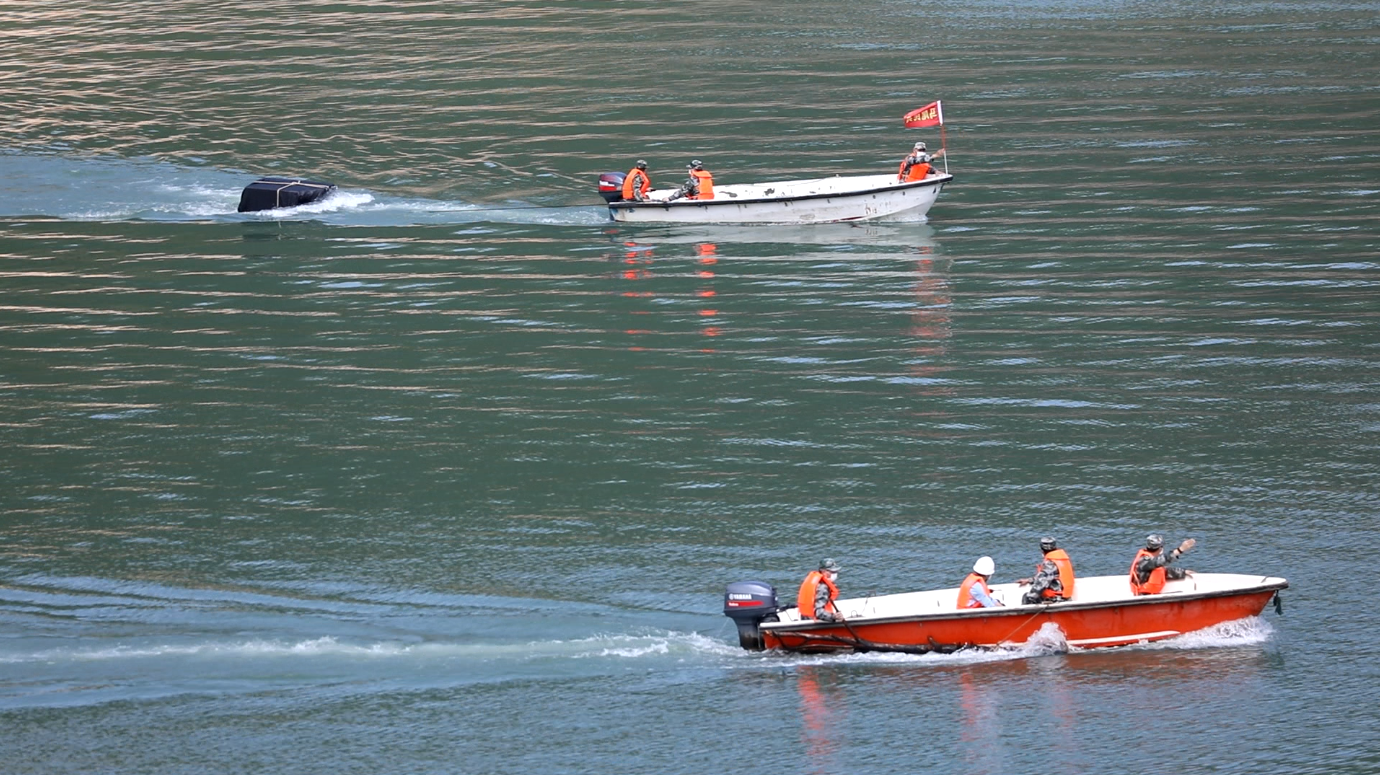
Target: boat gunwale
938, 180
1024, 609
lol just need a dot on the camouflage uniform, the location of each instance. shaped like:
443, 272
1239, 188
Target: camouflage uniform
1147, 564
822, 611
1046, 577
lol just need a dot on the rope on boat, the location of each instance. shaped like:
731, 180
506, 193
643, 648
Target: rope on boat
1023, 623
858, 643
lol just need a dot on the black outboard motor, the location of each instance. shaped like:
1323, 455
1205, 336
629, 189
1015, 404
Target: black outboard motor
611, 186
272, 193
748, 604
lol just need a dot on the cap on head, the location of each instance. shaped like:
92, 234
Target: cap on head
984, 566
1154, 541
697, 164
1048, 544
919, 146
642, 164
828, 564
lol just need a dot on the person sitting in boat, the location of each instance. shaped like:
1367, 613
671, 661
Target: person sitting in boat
1053, 579
917, 165
699, 186
1150, 569
818, 593
973, 593
637, 183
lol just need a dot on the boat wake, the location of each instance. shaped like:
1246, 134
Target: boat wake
1242, 632
627, 646
102, 190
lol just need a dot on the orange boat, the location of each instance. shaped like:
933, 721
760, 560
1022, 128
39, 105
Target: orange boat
1103, 612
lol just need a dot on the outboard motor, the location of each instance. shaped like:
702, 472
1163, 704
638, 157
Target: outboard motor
272, 193
611, 186
748, 604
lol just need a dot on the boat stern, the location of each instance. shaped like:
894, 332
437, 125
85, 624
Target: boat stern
748, 604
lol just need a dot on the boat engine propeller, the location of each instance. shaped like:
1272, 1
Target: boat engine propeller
611, 186
748, 604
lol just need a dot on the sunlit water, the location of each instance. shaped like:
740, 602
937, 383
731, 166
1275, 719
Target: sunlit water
447, 473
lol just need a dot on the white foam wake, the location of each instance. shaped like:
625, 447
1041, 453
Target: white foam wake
630, 646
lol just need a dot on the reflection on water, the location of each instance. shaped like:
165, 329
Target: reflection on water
824, 716
866, 236
981, 730
931, 324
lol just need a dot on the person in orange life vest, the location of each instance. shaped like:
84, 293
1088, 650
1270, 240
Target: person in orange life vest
917, 165
1053, 579
973, 593
637, 183
701, 183
1150, 569
818, 593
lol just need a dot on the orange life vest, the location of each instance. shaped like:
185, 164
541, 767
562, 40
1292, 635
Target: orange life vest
704, 184
808, 588
1061, 558
1153, 584
909, 171
965, 591
637, 182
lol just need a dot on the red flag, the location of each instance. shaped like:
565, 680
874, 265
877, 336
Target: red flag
930, 115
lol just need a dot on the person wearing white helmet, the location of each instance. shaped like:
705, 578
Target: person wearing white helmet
973, 593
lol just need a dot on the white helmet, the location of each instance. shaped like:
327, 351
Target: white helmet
984, 566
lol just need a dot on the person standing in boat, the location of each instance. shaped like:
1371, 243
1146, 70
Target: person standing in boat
917, 165
1150, 569
973, 593
818, 593
637, 183
1053, 579
700, 185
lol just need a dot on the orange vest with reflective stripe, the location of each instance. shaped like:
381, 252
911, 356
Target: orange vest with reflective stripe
965, 591
704, 184
808, 588
1153, 584
635, 179
1061, 558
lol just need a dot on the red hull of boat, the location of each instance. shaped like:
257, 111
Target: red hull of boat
1137, 620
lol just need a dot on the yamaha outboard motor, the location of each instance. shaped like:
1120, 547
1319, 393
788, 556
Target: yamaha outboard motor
272, 193
611, 186
748, 604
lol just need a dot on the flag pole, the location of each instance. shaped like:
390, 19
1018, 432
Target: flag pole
943, 135
944, 146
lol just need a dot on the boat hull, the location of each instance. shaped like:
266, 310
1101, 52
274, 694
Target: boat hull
1118, 621
825, 200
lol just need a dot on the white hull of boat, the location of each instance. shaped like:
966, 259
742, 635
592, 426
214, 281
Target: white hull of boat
822, 200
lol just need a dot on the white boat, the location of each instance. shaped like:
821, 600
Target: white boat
821, 200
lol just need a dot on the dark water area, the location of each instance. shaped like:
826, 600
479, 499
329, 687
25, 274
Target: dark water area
447, 474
